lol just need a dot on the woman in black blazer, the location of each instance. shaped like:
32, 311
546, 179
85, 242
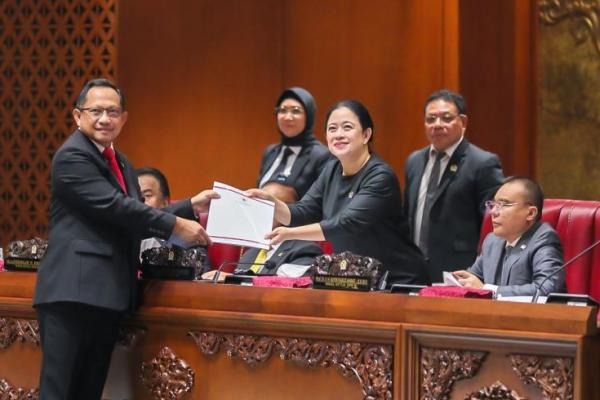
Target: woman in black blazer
297, 160
355, 203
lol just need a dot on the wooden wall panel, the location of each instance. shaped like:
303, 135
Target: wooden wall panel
497, 78
388, 54
201, 78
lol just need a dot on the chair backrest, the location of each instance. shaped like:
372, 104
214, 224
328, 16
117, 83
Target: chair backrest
578, 225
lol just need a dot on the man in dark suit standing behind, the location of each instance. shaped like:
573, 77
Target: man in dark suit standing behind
447, 184
87, 280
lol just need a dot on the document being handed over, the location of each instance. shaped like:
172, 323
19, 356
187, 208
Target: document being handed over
238, 219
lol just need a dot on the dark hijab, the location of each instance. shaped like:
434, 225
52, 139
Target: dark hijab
306, 99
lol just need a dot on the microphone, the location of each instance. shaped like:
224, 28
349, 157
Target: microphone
269, 265
383, 280
538, 288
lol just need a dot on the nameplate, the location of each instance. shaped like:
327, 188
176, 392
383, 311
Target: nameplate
21, 264
336, 282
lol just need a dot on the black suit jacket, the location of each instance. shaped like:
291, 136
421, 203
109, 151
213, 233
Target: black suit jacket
471, 177
306, 168
95, 230
300, 252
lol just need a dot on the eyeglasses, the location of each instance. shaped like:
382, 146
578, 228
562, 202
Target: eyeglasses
444, 118
295, 111
98, 112
499, 205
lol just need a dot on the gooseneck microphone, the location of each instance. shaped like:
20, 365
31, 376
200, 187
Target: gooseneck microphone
269, 265
538, 288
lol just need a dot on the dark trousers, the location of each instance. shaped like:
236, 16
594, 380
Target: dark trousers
77, 343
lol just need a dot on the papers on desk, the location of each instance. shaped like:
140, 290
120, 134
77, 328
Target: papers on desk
238, 219
292, 270
450, 280
522, 299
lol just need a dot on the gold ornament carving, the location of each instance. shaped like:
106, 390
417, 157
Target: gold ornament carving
371, 364
441, 368
583, 15
166, 376
496, 391
553, 375
10, 393
22, 330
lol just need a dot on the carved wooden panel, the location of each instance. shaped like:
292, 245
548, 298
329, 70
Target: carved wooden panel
48, 49
22, 330
11, 393
553, 375
584, 16
440, 368
166, 376
496, 391
371, 364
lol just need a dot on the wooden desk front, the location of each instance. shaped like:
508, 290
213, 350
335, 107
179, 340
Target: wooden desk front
200, 341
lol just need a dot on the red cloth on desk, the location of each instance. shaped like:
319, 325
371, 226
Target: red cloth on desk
280, 281
456, 291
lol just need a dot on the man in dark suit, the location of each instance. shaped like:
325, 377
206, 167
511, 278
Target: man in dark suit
521, 252
87, 279
447, 184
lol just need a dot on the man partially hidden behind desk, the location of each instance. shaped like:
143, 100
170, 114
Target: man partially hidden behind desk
88, 278
522, 251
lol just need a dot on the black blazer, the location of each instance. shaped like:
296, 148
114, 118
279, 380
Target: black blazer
95, 230
302, 252
306, 168
471, 177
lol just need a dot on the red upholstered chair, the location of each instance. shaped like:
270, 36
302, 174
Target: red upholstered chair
578, 225
326, 246
219, 253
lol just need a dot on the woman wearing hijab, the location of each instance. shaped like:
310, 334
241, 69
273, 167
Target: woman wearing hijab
297, 160
355, 203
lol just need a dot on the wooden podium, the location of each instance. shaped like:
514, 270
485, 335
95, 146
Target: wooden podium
194, 340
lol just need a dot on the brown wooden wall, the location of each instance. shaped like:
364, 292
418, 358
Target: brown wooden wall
202, 77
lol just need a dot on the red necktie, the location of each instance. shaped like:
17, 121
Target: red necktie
109, 154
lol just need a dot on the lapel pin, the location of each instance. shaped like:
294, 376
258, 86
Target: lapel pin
350, 195
453, 168
523, 246
280, 254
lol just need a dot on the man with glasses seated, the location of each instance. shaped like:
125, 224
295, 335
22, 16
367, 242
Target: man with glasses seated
522, 251
447, 184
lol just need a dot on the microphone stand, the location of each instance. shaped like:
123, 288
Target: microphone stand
538, 289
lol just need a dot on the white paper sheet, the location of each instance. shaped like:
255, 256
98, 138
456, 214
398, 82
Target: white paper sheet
292, 270
238, 219
449, 279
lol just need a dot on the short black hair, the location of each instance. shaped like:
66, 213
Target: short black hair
449, 96
100, 82
159, 176
533, 192
359, 110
